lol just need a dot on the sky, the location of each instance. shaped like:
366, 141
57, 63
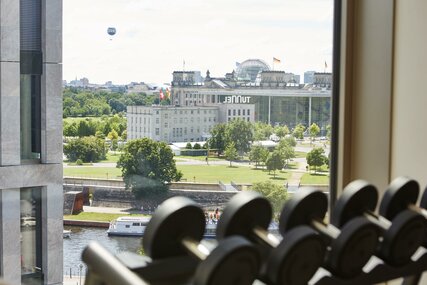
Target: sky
155, 37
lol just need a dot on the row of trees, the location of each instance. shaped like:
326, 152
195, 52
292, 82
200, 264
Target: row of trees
238, 132
114, 126
242, 133
278, 158
83, 103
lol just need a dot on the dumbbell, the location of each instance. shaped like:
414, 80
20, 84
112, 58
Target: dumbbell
349, 248
402, 194
176, 229
248, 214
400, 236
103, 266
423, 200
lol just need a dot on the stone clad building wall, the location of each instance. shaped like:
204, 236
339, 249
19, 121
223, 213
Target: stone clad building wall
44, 173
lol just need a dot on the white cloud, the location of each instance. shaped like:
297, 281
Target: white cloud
155, 36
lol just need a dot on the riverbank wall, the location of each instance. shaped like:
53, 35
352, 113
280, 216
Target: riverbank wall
95, 224
112, 193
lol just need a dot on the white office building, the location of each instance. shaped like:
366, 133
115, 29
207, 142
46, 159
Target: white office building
182, 124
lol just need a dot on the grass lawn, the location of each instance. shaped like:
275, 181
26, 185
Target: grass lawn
201, 158
75, 164
224, 173
203, 173
318, 178
111, 157
101, 217
95, 172
300, 154
70, 120
292, 165
323, 168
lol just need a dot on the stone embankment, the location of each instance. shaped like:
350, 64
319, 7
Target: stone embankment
95, 224
112, 193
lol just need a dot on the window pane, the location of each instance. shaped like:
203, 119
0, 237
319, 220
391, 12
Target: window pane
30, 116
31, 247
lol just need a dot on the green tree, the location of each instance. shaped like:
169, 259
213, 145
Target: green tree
70, 130
113, 135
231, 152
316, 157
188, 146
147, 166
314, 130
86, 128
117, 105
262, 131
217, 139
114, 144
100, 135
281, 131
107, 128
125, 134
286, 149
299, 131
276, 194
197, 146
290, 140
87, 149
240, 133
257, 154
275, 161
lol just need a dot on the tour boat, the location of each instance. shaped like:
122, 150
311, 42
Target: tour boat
210, 229
135, 226
128, 226
66, 233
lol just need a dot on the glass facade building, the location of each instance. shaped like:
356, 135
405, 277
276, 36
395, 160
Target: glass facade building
277, 96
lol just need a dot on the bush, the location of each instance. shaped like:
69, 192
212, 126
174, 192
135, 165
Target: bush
188, 146
79, 162
197, 146
87, 149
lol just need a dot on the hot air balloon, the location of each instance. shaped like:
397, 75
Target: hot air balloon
111, 31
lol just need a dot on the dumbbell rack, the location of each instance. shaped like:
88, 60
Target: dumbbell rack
382, 273
178, 270
125, 268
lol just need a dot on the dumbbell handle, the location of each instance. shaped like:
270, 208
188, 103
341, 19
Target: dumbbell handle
380, 221
327, 231
265, 237
419, 210
197, 249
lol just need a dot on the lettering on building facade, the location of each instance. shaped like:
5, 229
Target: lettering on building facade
237, 99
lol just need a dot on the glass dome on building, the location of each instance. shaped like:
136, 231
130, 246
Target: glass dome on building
249, 69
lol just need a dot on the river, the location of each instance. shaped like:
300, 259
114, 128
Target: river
81, 237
